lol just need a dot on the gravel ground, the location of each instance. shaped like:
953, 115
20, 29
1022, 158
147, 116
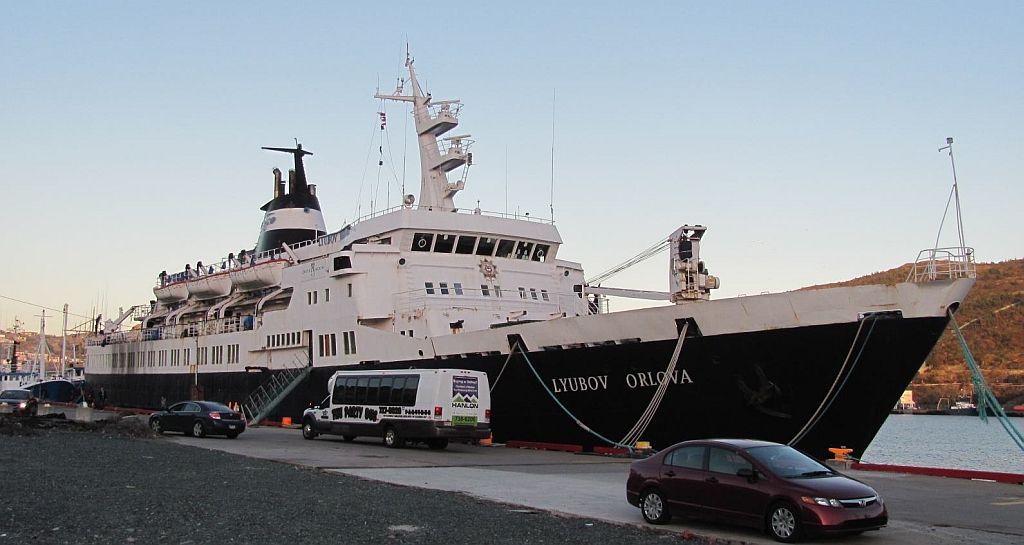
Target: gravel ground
73, 483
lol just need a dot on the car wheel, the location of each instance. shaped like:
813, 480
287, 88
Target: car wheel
437, 444
654, 507
348, 438
198, 429
154, 424
233, 435
392, 439
783, 522
308, 429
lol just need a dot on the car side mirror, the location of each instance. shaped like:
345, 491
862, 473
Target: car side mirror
747, 473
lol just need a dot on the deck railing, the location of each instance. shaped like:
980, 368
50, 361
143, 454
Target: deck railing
943, 264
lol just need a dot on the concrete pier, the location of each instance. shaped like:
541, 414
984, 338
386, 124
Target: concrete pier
923, 510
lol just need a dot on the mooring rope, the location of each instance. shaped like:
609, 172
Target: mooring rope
640, 427
563, 407
986, 399
840, 380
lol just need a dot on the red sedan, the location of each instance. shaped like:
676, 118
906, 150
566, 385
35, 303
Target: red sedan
753, 483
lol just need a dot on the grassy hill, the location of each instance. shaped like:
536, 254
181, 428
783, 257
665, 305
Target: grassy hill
992, 321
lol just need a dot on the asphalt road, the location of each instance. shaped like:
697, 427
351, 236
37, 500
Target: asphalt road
923, 510
270, 486
100, 487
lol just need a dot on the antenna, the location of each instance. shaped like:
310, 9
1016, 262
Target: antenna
954, 195
551, 200
506, 179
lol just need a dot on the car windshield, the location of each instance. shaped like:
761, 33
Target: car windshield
16, 394
788, 462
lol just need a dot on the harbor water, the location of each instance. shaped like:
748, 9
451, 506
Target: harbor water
956, 442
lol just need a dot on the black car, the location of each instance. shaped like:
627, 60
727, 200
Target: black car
21, 402
198, 418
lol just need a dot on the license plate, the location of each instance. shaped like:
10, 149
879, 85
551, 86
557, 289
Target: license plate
463, 420
231, 426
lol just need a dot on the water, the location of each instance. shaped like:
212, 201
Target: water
957, 442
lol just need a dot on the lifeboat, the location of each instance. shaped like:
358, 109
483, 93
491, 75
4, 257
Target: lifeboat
261, 275
209, 286
171, 293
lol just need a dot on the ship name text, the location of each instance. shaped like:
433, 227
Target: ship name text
646, 379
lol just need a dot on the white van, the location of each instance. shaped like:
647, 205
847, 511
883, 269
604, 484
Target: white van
429, 405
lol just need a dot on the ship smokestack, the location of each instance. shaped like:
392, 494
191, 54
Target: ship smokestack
278, 183
291, 182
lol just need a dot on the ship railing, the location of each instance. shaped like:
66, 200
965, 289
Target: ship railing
489, 299
231, 324
444, 109
509, 215
943, 264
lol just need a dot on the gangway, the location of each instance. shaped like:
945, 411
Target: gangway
269, 395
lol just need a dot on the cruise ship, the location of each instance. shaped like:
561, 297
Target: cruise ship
429, 284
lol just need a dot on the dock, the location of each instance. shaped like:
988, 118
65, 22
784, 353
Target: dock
923, 510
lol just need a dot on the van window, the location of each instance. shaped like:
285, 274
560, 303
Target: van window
397, 386
373, 391
361, 387
385, 390
409, 392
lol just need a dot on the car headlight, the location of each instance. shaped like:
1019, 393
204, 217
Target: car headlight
827, 502
23, 404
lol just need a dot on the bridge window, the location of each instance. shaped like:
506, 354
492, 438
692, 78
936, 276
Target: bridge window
505, 248
421, 242
524, 250
458, 288
443, 287
429, 287
444, 244
486, 246
540, 253
485, 290
465, 245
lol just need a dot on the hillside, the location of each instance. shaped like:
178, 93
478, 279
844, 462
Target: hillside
992, 319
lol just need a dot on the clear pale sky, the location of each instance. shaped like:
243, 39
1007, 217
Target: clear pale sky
805, 134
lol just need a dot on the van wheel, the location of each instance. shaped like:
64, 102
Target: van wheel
784, 522
348, 438
437, 444
392, 439
308, 429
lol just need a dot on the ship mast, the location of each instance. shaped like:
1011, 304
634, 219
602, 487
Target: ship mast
438, 156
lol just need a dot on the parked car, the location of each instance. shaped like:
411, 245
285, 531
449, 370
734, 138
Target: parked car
20, 402
198, 418
754, 483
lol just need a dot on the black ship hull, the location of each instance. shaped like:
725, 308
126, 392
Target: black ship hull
825, 385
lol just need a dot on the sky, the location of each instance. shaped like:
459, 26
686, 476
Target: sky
804, 134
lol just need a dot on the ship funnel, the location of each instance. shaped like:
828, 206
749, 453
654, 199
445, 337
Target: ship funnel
293, 217
278, 183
